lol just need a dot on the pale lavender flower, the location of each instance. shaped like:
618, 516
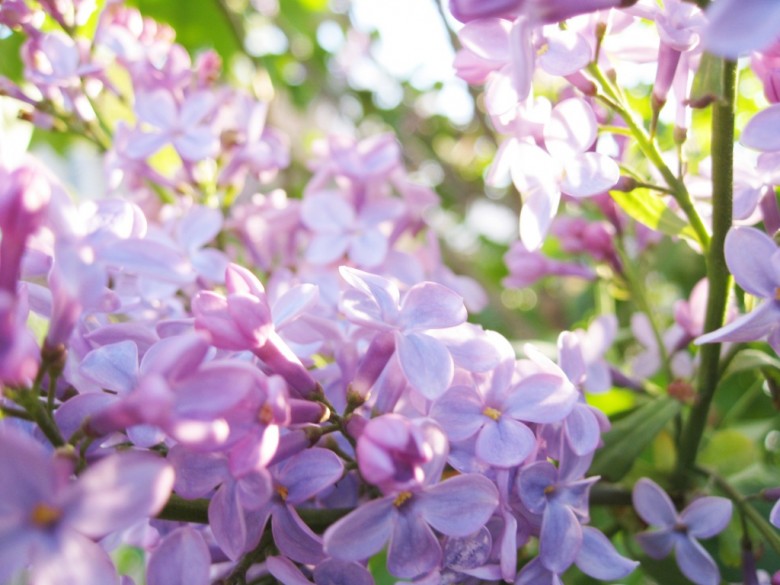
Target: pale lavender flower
703, 518
50, 523
761, 131
752, 257
737, 27
375, 302
567, 166
339, 229
163, 121
527, 267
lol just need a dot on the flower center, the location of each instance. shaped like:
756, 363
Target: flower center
283, 492
44, 515
401, 499
266, 414
491, 413
549, 489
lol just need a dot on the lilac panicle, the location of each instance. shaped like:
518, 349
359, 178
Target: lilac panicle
703, 518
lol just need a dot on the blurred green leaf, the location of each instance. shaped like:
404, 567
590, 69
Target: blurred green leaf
629, 437
729, 451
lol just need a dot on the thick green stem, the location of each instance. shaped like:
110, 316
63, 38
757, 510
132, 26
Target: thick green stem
717, 271
648, 147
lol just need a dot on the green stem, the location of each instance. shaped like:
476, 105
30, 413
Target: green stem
637, 290
761, 524
648, 147
717, 271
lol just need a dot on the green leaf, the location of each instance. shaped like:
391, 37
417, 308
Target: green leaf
750, 359
646, 207
629, 437
729, 451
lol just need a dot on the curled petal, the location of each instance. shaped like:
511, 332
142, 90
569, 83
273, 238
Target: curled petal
599, 559
589, 174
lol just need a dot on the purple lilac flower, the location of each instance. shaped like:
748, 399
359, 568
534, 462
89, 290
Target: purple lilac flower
560, 496
375, 302
339, 229
51, 524
497, 412
752, 257
703, 518
596, 557
566, 166
737, 27
456, 507
242, 321
328, 572
163, 121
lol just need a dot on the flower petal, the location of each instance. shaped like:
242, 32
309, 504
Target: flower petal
362, 533
459, 506
414, 549
707, 516
560, 538
505, 442
429, 305
748, 251
426, 363
599, 559
182, 558
653, 504
695, 562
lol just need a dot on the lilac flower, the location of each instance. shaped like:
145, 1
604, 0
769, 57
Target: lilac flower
456, 507
497, 412
182, 125
565, 167
339, 229
242, 321
766, 65
527, 267
375, 303
50, 523
703, 518
752, 257
560, 495
328, 572
596, 557
761, 131
393, 452
737, 27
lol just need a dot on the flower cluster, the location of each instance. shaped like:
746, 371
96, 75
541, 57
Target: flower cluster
248, 383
